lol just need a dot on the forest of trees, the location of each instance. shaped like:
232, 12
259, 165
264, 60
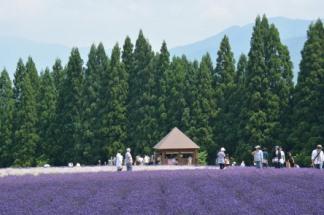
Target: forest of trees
86, 111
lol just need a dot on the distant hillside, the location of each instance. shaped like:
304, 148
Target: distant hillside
292, 33
43, 54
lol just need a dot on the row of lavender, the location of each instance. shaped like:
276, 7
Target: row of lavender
234, 191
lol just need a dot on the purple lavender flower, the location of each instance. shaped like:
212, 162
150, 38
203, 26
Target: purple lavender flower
205, 191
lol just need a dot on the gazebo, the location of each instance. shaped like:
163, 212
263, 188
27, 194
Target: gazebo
176, 148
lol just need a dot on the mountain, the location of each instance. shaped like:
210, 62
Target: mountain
43, 54
292, 33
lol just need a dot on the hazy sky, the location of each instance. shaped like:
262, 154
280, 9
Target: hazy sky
179, 22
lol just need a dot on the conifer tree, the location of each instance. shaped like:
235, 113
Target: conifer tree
128, 62
46, 119
7, 105
101, 134
19, 77
163, 76
148, 125
175, 93
268, 87
34, 78
239, 77
26, 137
33, 74
70, 148
128, 55
58, 75
308, 114
116, 95
225, 88
239, 80
191, 70
225, 63
204, 109
25, 133
142, 102
90, 108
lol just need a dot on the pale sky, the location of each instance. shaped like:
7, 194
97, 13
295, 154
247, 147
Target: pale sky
179, 22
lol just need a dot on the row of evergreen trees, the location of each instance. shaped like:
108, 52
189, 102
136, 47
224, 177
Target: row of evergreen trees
135, 97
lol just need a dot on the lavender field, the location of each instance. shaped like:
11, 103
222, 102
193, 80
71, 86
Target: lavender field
200, 191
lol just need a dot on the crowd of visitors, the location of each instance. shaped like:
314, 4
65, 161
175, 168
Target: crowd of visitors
279, 158
129, 162
261, 159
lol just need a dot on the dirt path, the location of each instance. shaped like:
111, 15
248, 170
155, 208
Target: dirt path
53, 170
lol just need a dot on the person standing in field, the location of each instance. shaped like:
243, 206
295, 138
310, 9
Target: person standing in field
189, 160
258, 157
253, 154
242, 164
146, 160
317, 157
290, 162
276, 157
119, 161
227, 161
265, 157
221, 158
282, 159
128, 160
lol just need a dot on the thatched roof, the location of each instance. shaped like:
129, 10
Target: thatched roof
176, 140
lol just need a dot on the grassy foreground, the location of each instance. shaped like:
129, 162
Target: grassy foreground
199, 191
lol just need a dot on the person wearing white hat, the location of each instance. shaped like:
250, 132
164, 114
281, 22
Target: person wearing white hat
258, 157
128, 160
221, 158
317, 157
119, 161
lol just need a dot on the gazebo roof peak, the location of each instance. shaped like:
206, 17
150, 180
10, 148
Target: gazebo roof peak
176, 139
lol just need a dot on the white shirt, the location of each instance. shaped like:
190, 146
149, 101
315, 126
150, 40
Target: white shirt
146, 159
119, 160
319, 159
221, 157
258, 156
282, 156
128, 158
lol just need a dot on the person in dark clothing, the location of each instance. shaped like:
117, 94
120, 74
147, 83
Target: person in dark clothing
276, 157
265, 157
290, 162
